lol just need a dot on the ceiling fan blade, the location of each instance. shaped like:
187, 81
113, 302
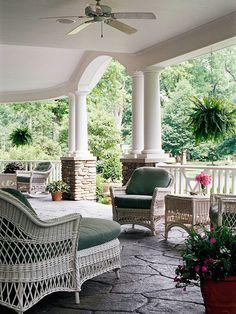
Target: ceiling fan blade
134, 15
80, 27
121, 26
62, 17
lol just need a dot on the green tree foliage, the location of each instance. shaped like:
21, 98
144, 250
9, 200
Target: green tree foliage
212, 74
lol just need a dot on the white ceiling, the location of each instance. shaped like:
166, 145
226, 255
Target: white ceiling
24, 65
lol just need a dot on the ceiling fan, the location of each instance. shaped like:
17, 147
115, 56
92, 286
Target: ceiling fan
103, 14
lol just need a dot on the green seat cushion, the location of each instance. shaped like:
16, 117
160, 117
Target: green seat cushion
43, 166
96, 231
133, 201
23, 179
144, 180
20, 197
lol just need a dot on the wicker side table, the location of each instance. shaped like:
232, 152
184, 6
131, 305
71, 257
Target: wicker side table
185, 211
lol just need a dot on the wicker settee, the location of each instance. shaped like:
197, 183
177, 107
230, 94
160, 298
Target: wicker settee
40, 257
141, 200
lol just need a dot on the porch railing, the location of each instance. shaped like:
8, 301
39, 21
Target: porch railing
223, 178
31, 164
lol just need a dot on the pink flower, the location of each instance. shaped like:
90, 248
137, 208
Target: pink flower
203, 178
197, 268
212, 240
204, 269
211, 260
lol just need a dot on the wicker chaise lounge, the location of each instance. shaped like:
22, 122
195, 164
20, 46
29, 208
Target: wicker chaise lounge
141, 200
40, 257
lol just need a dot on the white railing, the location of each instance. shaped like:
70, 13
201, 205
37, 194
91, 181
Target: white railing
31, 164
223, 178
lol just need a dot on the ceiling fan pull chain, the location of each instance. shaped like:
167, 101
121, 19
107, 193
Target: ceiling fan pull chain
102, 29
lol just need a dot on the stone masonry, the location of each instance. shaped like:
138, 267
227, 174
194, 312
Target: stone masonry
81, 177
129, 165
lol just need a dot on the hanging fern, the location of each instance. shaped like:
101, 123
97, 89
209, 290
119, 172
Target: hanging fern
212, 119
21, 136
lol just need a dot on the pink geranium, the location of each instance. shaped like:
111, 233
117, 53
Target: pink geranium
203, 178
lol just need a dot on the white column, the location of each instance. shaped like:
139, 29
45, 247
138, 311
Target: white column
152, 115
71, 132
81, 128
137, 113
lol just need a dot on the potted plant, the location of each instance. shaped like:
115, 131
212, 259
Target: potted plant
11, 167
209, 259
56, 188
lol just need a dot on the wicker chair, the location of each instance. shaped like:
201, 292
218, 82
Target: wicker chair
223, 210
141, 200
40, 257
34, 181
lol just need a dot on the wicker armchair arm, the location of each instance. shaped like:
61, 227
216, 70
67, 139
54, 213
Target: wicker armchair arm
115, 190
60, 220
158, 197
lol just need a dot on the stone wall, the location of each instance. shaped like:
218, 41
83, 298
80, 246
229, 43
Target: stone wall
81, 177
129, 165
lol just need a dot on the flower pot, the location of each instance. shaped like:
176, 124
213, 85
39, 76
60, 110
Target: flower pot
219, 296
56, 196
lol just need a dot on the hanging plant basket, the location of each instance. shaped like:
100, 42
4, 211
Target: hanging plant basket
21, 136
212, 119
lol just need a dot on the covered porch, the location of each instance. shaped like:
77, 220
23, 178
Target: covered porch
39, 61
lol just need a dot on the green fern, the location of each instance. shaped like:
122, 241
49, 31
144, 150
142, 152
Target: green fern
21, 136
212, 119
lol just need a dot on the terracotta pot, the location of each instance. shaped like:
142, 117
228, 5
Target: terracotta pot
219, 296
56, 196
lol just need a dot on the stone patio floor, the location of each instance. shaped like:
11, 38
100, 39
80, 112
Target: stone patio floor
146, 278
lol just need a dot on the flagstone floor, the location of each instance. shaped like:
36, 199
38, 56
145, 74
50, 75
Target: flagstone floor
148, 267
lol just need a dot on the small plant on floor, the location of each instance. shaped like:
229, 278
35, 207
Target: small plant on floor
56, 188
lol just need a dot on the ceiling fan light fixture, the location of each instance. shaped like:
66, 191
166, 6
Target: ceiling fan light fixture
65, 21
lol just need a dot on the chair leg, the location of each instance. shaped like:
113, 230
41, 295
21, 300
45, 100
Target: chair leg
77, 300
117, 272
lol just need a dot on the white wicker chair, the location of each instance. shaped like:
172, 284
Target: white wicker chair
40, 257
34, 181
147, 217
223, 210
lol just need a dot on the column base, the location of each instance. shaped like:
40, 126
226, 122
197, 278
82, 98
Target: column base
80, 174
80, 155
157, 156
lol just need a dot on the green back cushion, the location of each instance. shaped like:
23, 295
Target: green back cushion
43, 166
20, 197
96, 231
144, 180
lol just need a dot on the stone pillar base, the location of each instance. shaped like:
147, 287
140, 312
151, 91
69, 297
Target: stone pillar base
81, 177
129, 165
